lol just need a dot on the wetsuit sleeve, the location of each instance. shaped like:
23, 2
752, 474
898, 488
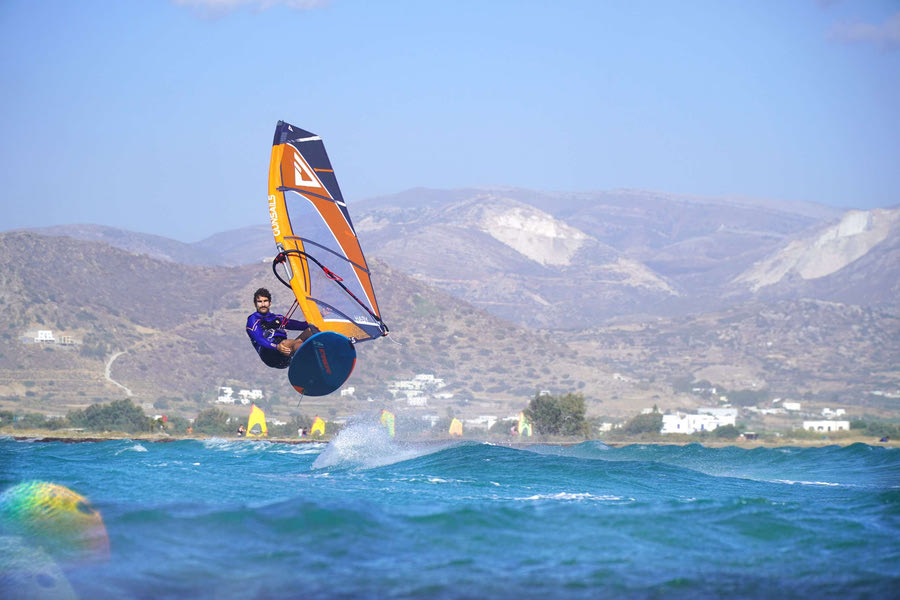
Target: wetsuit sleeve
295, 325
255, 332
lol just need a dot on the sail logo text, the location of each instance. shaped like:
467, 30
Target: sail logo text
273, 216
303, 175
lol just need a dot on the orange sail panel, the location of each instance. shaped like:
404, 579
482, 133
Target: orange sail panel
325, 265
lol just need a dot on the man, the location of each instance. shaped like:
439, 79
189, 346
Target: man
268, 335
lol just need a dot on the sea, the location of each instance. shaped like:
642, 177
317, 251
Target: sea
369, 516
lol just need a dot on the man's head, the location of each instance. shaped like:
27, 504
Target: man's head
263, 300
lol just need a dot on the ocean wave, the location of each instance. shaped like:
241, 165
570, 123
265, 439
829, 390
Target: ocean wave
394, 519
820, 483
574, 496
366, 445
305, 448
136, 447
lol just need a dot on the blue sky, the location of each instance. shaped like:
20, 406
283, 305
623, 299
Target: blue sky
157, 115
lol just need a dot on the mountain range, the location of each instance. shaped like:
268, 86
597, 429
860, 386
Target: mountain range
500, 291
570, 261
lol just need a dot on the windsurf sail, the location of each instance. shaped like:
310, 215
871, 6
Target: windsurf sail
524, 427
387, 421
456, 427
318, 427
256, 425
317, 245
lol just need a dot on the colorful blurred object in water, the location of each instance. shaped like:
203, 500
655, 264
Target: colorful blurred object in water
54, 518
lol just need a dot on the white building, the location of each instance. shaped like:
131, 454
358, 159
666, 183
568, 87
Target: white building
724, 416
793, 406
403, 384
348, 391
248, 396
481, 422
429, 380
226, 396
685, 423
767, 411
416, 390
417, 401
826, 425
838, 412
432, 420
44, 335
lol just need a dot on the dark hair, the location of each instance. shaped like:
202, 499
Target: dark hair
262, 293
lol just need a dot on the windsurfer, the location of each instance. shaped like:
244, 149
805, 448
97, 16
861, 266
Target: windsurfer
268, 335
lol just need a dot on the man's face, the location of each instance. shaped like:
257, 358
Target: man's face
262, 305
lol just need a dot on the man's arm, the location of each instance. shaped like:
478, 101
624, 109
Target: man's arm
295, 325
255, 332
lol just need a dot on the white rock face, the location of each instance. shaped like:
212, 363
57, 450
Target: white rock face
638, 275
826, 252
534, 234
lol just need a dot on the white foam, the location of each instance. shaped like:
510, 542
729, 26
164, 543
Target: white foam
306, 448
364, 444
576, 496
135, 448
822, 483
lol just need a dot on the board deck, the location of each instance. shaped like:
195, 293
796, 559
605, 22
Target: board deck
322, 364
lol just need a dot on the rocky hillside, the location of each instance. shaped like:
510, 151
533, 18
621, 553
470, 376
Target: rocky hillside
794, 348
571, 261
554, 260
181, 329
154, 246
177, 333
856, 260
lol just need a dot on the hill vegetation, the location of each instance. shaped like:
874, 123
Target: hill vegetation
167, 335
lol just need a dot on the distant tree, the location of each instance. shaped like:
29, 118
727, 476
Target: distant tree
881, 429
212, 421
177, 424
56, 423
646, 423
748, 397
119, 415
545, 414
94, 349
558, 415
729, 432
30, 421
503, 426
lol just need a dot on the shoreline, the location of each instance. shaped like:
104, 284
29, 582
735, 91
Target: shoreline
74, 438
